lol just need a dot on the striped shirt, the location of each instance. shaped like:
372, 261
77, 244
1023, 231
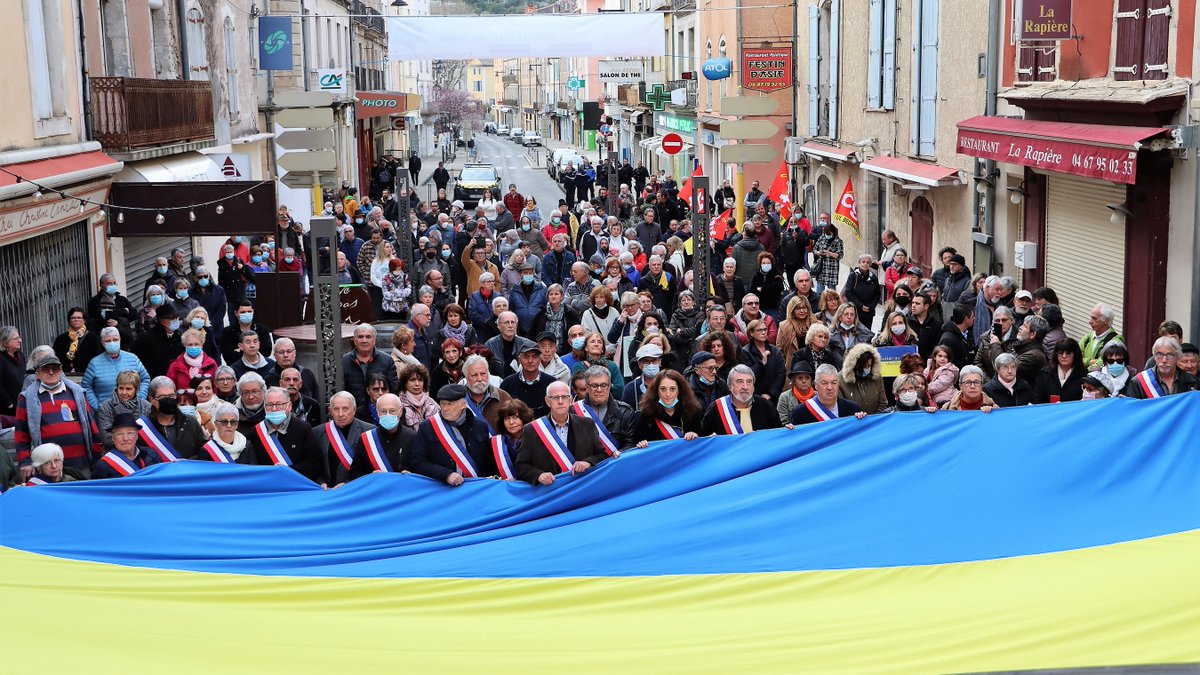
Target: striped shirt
57, 427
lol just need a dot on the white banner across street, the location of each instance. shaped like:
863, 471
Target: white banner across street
486, 37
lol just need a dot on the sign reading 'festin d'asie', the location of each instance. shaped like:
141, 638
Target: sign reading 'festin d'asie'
1045, 20
766, 69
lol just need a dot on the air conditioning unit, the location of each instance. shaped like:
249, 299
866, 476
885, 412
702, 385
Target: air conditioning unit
792, 154
1025, 255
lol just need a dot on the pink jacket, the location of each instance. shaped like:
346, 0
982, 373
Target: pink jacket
941, 382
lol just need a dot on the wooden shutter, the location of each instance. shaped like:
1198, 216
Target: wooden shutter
1045, 64
1158, 30
927, 91
875, 56
814, 70
1026, 63
835, 14
1131, 39
889, 54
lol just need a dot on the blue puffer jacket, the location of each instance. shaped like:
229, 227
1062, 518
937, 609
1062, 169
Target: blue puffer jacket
100, 378
527, 303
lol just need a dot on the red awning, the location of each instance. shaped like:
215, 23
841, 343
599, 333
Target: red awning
827, 151
933, 175
1102, 151
55, 172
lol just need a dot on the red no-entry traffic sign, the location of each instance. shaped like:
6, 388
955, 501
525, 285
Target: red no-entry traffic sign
672, 144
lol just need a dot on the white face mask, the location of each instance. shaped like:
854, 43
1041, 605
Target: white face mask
908, 397
898, 330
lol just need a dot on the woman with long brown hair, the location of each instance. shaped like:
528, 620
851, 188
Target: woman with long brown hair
794, 328
669, 411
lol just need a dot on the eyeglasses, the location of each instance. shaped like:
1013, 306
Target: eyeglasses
382, 389
558, 397
599, 387
707, 369
276, 406
227, 423
1114, 360
752, 303
225, 378
972, 383
1168, 356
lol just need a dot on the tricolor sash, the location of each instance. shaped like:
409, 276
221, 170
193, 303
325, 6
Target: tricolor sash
34, 480
606, 439
152, 438
374, 448
338, 442
554, 444
503, 461
479, 413
217, 453
457, 451
729, 416
120, 463
272, 446
1149, 384
669, 432
819, 411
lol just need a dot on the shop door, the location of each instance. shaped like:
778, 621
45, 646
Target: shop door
920, 249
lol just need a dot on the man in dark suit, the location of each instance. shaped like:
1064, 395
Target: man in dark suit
616, 416
454, 444
826, 404
291, 433
528, 385
395, 442
536, 463
347, 427
741, 411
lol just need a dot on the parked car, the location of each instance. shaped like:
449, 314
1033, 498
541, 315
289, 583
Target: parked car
502, 130
470, 183
516, 135
552, 165
529, 140
489, 128
577, 160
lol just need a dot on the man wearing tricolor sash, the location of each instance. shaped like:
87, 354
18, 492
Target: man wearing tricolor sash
826, 405
1165, 378
127, 457
454, 444
559, 442
387, 448
334, 440
281, 439
613, 418
166, 424
741, 411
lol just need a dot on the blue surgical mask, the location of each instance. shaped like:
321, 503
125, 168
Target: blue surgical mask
651, 370
246, 317
1116, 369
389, 422
445, 254
706, 382
276, 417
289, 259
189, 410
204, 282
198, 323
181, 294
161, 269
229, 256
670, 406
257, 259
111, 289
527, 279
156, 300
194, 351
525, 226
174, 325
237, 240
578, 343
112, 347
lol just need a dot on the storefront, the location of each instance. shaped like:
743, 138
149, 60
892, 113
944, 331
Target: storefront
1096, 203
681, 164
710, 150
52, 241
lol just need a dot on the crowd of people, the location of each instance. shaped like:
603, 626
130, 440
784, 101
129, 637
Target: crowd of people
531, 344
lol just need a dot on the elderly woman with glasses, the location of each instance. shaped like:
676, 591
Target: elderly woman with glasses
227, 442
225, 384
970, 394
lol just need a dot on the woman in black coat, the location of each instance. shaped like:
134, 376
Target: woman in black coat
863, 290
1062, 380
765, 360
767, 284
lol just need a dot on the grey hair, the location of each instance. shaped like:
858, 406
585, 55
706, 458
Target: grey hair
658, 250
499, 299
971, 370
1004, 359
814, 330
224, 370
251, 378
154, 288
825, 369
425, 290
1008, 284
905, 380
366, 326
631, 233
9, 332
282, 342
597, 371
277, 390
225, 409
629, 298
159, 382
39, 351
556, 287
729, 261
866, 256
1168, 342
739, 369
345, 395
577, 265
1037, 324
107, 331
201, 269
626, 258
486, 276
1003, 309
655, 257
472, 360
1107, 312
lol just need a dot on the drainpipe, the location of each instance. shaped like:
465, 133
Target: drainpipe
1195, 322
85, 88
990, 94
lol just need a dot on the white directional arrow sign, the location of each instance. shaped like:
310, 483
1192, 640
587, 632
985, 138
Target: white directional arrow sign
748, 154
305, 118
748, 130
313, 160
306, 139
746, 106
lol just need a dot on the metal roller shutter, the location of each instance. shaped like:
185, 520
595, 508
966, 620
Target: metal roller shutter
140, 253
45, 276
1085, 252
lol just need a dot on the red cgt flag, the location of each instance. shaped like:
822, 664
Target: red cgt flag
846, 212
685, 192
779, 193
720, 225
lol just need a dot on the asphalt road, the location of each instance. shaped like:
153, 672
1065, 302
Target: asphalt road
510, 159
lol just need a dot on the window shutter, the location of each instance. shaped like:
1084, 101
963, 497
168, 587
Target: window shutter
814, 70
835, 22
875, 56
1027, 63
927, 131
889, 54
1046, 64
1158, 30
1131, 39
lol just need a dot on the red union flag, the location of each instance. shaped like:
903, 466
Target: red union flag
685, 192
720, 225
846, 212
779, 193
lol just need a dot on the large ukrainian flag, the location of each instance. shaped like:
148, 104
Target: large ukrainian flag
1049, 537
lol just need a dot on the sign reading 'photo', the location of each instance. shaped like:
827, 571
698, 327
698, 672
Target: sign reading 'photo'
621, 72
766, 69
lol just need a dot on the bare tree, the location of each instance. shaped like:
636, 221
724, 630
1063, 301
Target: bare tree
448, 74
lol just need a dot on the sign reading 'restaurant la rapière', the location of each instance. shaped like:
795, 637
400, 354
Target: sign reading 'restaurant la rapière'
1045, 20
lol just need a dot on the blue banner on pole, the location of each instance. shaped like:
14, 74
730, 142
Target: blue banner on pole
275, 43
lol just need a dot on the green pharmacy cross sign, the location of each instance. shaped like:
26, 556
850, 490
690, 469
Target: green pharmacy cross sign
658, 97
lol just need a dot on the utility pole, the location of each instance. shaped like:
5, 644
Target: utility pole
700, 250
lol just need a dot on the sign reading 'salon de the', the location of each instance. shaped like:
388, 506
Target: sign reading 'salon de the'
766, 69
1045, 20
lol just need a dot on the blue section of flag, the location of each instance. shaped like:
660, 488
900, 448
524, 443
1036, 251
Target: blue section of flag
890, 490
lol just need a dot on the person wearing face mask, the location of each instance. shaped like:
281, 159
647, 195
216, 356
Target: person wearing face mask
234, 275
702, 378
1094, 387
386, 448
193, 362
162, 343
767, 284
244, 320
861, 380
212, 298
162, 276
908, 394
454, 444
863, 291
827, 256
184, 302
167, 424
649, 364
282, 439
429, 262
528, 299
156, 297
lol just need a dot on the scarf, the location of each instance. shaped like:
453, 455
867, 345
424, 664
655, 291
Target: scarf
602, 313
453, 371
416, 401
459, 333
234, 449
75, 336
132, 406
554, 319
194, 364
801, 398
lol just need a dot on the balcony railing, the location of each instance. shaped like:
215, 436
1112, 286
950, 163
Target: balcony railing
130, 113
362, 14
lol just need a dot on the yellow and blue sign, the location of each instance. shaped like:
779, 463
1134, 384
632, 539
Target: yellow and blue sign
1043, 537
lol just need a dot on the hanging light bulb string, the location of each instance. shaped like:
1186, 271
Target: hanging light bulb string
41, 190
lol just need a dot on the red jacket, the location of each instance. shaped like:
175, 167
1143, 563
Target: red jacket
178, 371
515, 203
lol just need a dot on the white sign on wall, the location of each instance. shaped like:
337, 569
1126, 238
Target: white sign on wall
621, 72
232, 166
332, 80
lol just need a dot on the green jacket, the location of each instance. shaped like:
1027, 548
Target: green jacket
1093, 346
